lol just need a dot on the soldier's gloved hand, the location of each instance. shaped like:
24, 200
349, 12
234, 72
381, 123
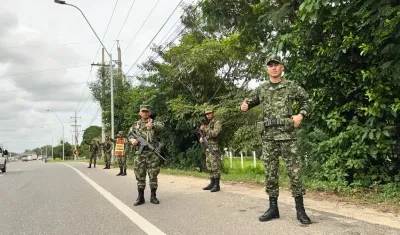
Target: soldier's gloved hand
203, 127
244, 107
134, 142
297, 120
201, 140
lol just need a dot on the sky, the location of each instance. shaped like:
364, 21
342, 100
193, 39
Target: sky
45, 54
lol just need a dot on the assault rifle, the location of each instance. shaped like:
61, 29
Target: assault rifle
205, 143
143, 143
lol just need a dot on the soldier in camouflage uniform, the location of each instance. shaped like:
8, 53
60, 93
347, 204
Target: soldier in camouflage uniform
107, 148
213, 161
122, 158
278, 134
94, 151
147, 161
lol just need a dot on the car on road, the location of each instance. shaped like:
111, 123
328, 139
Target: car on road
24, 159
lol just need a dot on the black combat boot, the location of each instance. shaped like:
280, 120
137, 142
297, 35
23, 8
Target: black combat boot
124, 173
109, 165
140, 199
216, 187
210, 185
90, 166
300, 211
272, 212
153, 198
106, 167
120, 171
94, 165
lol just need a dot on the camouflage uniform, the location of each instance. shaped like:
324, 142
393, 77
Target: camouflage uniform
94, 151
122, 159
147, 161
279, 138
213, 162
107, 148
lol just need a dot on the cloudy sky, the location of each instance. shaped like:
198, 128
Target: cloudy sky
45, 54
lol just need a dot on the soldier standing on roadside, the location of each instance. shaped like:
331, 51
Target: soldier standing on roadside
213, 156
277, 130
107, 148
94, 151
120, 152
146, 161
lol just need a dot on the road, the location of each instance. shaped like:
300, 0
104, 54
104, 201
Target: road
68, 198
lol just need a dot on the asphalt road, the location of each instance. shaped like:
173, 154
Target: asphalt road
57, 198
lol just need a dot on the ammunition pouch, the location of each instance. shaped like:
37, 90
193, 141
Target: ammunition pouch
287, 123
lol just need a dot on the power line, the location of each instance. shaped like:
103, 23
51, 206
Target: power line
42, 71
156, 35
97, 113
144, 22
126, 18
41, 88
49, 45
97, 53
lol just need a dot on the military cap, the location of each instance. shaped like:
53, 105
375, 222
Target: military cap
208, 110
121, 132
275, 59
144, 108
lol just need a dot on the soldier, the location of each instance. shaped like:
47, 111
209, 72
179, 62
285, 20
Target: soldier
213, 156
107, 148
146, 161
120, 152
277, 130
94, 150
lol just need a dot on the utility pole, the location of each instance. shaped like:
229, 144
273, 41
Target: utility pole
76, 132
119, 62
103, 128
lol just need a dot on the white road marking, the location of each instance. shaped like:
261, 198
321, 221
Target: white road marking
141, 222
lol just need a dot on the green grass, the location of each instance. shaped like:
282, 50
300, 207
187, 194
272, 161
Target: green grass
388, 194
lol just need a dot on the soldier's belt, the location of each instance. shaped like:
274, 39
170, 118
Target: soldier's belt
274, 122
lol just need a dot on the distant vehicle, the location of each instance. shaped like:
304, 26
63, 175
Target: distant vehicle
29, 158
24, 159
3, 159
40, 158
34, 157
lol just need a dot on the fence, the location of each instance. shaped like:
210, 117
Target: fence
243, 159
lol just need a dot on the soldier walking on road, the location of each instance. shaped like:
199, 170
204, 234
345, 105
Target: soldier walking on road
213, 155
94, 150
107, 148
146, 161
277, 130
120, 152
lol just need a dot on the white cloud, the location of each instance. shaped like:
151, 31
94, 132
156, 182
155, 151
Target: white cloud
28, 42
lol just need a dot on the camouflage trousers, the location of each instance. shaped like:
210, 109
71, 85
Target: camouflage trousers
287, 149
107, 158
122, 162
213, 163
93, 158
147, 162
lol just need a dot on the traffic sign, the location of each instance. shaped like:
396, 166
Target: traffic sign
75, 152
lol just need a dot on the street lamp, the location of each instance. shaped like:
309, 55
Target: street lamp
63, 139
111, 64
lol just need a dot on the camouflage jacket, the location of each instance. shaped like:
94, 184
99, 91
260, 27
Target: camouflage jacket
107, 146
150, 136
212, 131
277, 103
94, 147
